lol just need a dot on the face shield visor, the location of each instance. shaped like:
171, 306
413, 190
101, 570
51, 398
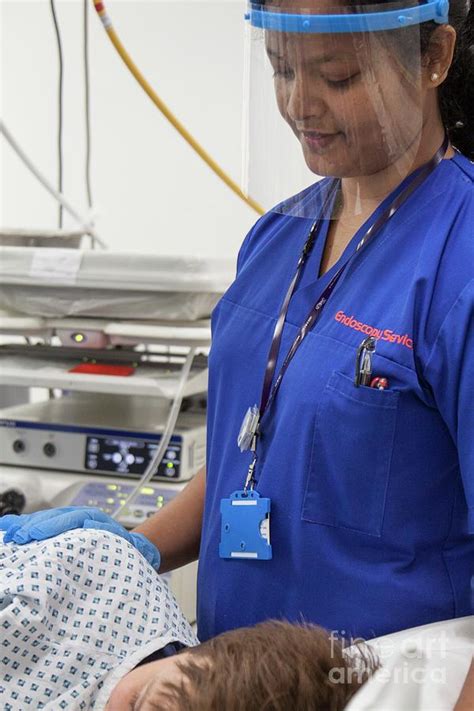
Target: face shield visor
333, 89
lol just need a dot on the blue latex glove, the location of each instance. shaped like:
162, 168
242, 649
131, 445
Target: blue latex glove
46, 524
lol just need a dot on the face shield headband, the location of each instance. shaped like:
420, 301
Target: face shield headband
432, 10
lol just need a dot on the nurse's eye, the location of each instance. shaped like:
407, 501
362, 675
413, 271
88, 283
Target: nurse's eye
342, 83
283, 73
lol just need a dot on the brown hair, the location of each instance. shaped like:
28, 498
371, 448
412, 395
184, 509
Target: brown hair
274, 666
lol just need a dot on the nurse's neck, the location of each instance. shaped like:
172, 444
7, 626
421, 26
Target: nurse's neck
361, 195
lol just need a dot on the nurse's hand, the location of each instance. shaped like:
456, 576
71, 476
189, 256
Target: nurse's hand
46, 524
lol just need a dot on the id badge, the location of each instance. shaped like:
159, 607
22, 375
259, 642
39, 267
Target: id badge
245, 526
248, 429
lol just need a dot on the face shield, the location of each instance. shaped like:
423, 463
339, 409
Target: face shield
333, 89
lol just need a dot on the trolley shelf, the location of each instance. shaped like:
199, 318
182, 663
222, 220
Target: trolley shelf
147, 381
192, 333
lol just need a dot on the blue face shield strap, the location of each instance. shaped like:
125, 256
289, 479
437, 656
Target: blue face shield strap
435, 10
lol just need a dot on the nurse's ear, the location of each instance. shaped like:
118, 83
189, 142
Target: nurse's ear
438, 56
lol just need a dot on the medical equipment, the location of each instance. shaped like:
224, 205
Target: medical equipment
171, 420
79, 446
107, 496
43, 488
109, 434
85, 320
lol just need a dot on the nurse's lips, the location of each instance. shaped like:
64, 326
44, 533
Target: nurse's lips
317, 140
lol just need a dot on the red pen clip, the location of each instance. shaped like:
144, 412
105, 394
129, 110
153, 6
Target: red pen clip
379, 383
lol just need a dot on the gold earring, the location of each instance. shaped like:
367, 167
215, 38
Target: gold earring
434, 77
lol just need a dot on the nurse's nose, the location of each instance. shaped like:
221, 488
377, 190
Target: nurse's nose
305, 99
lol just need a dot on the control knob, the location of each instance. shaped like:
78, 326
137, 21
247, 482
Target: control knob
12, 501
19, 446
49, 449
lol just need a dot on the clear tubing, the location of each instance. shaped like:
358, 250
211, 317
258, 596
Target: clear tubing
166, 437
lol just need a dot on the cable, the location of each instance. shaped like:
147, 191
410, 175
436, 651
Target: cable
167, 113
60, 108
155, 462
87, 103
84, 224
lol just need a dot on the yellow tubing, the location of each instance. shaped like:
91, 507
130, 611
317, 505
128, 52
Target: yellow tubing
159, 103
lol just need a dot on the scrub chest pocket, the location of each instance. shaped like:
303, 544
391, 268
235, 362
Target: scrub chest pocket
351, 456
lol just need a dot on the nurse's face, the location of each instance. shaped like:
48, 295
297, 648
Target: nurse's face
140, 690
352, 102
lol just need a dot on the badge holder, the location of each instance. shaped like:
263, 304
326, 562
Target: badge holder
245, 528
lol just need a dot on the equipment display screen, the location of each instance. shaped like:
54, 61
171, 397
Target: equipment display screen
129, 456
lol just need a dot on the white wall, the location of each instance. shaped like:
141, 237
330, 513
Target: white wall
150, 190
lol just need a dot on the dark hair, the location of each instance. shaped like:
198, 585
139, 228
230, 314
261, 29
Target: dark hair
456, 93
274, 666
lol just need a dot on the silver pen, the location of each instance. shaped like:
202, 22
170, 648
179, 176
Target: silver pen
363, 367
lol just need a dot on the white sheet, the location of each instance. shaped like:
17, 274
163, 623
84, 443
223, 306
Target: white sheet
423, 669
123, 285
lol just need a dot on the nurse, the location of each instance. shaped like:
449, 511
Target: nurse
340, 472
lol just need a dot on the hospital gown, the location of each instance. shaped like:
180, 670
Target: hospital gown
77, 612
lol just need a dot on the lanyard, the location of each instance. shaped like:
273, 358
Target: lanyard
268, 392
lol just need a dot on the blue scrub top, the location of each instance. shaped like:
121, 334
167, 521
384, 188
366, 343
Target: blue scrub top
372, 491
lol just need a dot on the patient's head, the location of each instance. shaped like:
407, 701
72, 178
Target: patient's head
274, 666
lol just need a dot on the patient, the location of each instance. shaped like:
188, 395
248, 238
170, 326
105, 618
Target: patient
87, 623
274, 666
82, 614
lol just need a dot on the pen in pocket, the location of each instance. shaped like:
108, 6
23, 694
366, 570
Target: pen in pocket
379, 383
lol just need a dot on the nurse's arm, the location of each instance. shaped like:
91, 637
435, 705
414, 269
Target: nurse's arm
466, 700
176, 529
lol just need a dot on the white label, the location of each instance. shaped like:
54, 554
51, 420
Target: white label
56, 264
243, 555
